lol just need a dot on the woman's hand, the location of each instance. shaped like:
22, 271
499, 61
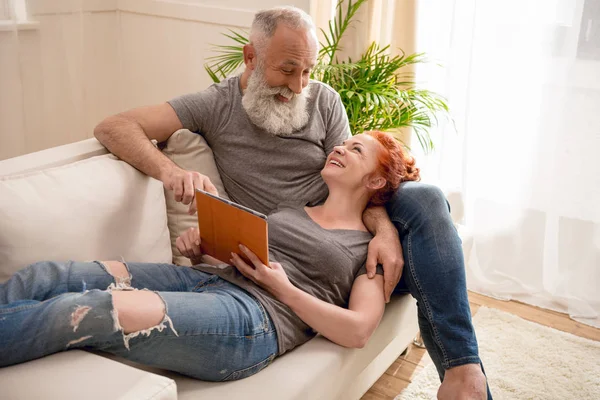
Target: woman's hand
272, 278
188, 245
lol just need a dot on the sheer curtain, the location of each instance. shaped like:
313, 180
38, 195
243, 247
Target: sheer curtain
523, 81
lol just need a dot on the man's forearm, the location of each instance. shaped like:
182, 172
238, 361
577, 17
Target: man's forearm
126, 139
377, 220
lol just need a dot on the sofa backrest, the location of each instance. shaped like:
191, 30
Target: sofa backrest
190, 152
78, 202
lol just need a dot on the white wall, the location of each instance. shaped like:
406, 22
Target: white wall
87, 59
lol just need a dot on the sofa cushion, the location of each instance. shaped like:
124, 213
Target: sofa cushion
98, 208
190, 152
77, 374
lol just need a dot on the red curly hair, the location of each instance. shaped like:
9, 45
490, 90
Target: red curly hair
395, 166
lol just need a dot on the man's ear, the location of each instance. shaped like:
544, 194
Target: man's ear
250, 56
376, 183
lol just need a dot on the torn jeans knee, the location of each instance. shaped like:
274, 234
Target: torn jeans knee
118, 279
166, 320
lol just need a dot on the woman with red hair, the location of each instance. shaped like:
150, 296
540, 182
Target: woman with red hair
223, 319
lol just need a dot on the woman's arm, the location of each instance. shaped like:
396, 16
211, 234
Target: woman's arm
350, 327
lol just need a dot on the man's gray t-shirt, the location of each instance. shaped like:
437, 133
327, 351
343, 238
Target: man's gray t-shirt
260, 170
321, 262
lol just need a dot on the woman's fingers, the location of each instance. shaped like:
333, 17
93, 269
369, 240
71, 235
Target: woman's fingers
194, 235
192, 242
252, 257
241, 265
188, 243
182, 247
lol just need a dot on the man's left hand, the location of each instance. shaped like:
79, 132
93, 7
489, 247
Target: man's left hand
385, 249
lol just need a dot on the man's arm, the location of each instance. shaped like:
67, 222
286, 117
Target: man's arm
384, 248
127, 135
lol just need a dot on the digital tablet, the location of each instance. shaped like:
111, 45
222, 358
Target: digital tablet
224, 225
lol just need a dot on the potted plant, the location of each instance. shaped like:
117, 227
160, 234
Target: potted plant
376, 92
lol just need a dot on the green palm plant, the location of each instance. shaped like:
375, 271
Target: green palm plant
377, 91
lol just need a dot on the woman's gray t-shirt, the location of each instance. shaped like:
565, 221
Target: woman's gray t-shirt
321, 262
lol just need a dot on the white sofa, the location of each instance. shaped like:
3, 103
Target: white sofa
79, 202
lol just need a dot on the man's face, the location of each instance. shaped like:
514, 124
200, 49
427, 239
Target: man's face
277, 89
289, 59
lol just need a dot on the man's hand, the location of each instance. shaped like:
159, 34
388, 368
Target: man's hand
188, 245
385, 249
272, 278
183, 184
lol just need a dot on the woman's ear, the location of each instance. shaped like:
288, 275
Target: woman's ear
250, 56
376, 183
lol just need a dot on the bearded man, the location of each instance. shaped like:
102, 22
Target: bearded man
271, 129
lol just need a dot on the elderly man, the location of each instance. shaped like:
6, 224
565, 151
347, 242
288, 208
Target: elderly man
270, 130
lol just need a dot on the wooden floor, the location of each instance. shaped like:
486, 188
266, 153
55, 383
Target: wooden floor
407, 366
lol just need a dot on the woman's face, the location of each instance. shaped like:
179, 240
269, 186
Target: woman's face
354, 163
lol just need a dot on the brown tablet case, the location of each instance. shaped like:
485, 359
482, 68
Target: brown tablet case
224, 225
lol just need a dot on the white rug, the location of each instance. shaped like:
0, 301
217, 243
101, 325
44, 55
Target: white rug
525, 360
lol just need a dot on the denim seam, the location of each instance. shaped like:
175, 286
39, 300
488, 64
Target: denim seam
206, 283
266, 363
266, 320
19, 308
252, 336
474, 358
28, 306
436, 335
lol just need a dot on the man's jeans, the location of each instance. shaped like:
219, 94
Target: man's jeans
434, 273
212, 330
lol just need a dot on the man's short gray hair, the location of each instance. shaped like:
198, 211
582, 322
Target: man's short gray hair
265, 23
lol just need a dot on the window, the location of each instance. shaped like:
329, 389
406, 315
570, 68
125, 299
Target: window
4, 14
13, 10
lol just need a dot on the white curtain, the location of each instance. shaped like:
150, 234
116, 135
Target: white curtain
522, 78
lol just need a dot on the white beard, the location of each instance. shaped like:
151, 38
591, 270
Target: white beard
272, 115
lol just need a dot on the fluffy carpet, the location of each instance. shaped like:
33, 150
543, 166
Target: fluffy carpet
525, 360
